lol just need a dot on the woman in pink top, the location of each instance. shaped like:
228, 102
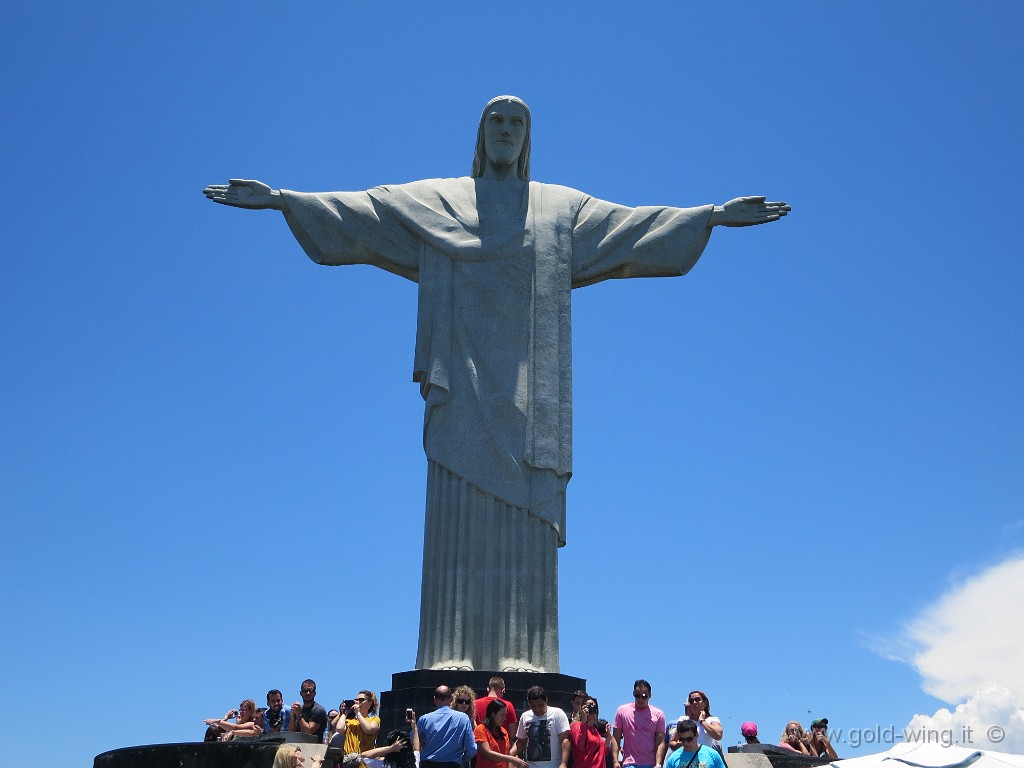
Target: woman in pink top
795, 738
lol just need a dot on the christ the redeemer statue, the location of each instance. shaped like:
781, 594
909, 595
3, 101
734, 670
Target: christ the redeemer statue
496, 256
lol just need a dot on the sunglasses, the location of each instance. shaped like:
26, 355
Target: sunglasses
687, 739
462, 701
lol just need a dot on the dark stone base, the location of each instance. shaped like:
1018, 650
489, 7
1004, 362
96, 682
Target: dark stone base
255, 753
779, 757
795, 760
415, 689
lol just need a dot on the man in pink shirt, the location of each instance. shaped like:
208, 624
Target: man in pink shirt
641, 730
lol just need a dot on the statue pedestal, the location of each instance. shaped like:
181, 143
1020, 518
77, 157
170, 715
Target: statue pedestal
416, 689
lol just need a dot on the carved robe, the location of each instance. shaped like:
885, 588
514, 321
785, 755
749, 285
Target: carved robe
494, 363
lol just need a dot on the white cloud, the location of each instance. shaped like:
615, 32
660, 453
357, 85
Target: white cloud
968, 645
990, 719
971, 638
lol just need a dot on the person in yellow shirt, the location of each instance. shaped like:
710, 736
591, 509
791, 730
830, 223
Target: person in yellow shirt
361, 723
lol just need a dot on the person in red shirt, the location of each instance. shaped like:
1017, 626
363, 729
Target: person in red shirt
493, 742
587, 745
496, 692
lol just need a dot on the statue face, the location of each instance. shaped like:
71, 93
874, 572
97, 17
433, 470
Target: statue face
504, 133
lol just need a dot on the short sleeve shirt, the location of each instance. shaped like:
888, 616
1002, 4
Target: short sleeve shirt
639, 727
482, 734
315, 713
706, 758
543, 745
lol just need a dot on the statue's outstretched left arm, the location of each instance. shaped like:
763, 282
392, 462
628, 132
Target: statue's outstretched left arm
246, 193
747, 211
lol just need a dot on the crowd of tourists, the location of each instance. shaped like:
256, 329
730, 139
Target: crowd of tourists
486, 732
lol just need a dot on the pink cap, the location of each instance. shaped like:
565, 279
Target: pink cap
749, 729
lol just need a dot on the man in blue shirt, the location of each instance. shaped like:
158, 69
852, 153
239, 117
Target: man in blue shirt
275, 719
446, 736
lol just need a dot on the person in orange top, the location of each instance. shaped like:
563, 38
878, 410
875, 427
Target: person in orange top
493, 741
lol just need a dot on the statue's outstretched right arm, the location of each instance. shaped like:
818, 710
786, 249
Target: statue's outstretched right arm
747, 212
333, 228
246, 193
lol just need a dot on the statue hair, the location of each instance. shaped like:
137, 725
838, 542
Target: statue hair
480, 156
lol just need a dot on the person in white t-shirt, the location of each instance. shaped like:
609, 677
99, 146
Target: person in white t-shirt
709, 727
542, 739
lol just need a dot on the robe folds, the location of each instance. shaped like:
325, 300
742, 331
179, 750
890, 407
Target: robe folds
493, 359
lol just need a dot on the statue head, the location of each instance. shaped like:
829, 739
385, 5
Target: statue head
480, 156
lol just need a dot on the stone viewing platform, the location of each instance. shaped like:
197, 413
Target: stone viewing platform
259, 753
769, 756
251, 753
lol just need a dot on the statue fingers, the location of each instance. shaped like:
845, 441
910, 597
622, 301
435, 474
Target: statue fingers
773, 209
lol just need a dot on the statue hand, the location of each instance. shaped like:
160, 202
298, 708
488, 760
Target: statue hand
748, 211
245, 193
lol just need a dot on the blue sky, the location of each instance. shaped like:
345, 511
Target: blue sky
798, 470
